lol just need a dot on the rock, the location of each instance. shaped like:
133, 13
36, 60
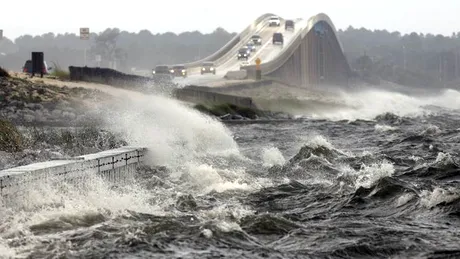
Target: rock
69, 115
186, 203
226, 117
56, 113
29, 118
237, 117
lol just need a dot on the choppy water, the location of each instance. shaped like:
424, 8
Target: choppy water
378, 187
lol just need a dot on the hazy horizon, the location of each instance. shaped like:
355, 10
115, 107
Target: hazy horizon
204, 16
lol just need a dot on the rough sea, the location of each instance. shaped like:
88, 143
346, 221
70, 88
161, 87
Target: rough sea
378, 179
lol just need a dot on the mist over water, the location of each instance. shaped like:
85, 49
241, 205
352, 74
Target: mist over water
309, 188
367, 104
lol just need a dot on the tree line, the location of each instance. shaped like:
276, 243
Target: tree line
143, 50
415, 59
409, 59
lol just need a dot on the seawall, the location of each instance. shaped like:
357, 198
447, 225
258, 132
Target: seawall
114, 164
194, 95
118, 79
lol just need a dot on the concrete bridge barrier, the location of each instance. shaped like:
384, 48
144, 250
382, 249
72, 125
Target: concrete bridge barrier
236, 75
197, 95
119, 79
115, 165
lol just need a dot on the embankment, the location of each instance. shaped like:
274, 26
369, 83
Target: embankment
27, 103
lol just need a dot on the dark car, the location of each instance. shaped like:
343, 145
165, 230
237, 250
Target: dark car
278, 38
27, 68
251, 46
162, 71
243, 54
179, 70
289, 25
256, 39
208, 67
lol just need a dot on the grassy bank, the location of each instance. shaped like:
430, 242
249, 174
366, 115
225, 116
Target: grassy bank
60, 73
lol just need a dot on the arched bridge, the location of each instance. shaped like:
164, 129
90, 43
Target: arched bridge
311, 54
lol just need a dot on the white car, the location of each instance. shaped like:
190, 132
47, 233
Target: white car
274, 21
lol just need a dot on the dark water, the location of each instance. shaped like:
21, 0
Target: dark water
383, 188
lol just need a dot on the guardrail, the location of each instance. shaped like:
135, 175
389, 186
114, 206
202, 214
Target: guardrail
115, 164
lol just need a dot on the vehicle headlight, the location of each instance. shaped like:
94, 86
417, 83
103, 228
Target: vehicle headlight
183, 70
153, 72
239, 55
203, 69
211, 69
172, 70
259, 40
245, 55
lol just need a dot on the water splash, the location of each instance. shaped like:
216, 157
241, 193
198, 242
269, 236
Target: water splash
172, 131
272, 156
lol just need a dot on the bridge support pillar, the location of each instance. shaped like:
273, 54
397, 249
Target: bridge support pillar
258, 74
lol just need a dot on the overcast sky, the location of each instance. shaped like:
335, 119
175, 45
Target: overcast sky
58, 16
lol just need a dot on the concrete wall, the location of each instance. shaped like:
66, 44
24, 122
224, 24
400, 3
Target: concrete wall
204, 96
118, 79
115, 164
234, 87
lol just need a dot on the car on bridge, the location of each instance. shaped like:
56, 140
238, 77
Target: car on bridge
251, 46
256, 39
274, 21
179, 70
289, 25
278, 38
162, 71
208, 67
248, 50
243, 54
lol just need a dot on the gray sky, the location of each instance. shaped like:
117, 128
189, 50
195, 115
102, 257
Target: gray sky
58, 16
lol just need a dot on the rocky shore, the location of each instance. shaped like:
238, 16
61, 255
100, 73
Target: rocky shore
24, 102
